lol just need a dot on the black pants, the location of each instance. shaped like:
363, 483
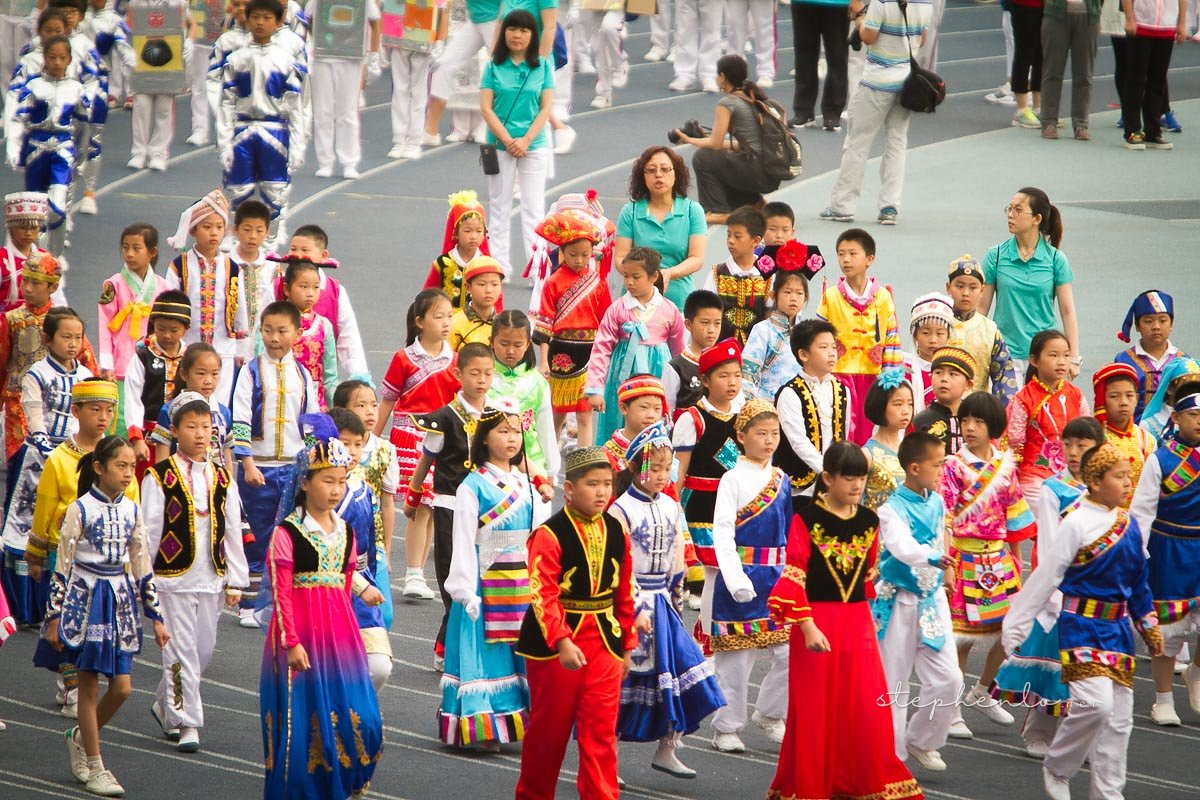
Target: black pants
726, 180
1118, 47
1144, 84
1027, 49
811, 25
443, 550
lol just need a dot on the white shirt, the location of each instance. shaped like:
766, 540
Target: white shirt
226, 347
738, 487
1158, 363
434, 441
670, 378
351, 358
685, 435
281, 439
794, 425
1144, 506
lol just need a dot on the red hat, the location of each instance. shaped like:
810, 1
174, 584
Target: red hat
720, 353
1103, 377
642, 386
464, 204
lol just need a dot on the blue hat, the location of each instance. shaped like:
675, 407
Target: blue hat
1177, 368
652, 436
1151, 301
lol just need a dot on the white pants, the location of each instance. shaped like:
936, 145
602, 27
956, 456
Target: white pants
153, 125
192, 618
733, 676
660, 27
198, 77
1009, 44
14, 34
1039, 727
1097, 728
697, 39
460, 48
753, 18
871, 111
410, 91
604, 30
927, 55
336, 85
531, 171
938, 675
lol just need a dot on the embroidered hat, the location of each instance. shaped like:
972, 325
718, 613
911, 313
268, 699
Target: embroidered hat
41, 266
94, 391
1187, 396
588, 202
933, 306
1174, 371
585, 458
169, 309
214, 202
505, 407
967, 266
464, 204
793, 256
184, 399
570, 225
1102, 460
956, 358
293, 258
482, 265
720, 353
651, 437
26, 207
1101, 380
754, 407
325, 449
1151, 301
642, 386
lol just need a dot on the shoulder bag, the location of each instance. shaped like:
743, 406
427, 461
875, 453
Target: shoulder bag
489, 158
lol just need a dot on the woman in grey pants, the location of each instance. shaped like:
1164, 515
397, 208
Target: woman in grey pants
1068, 26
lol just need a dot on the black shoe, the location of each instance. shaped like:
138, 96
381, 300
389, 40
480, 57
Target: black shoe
833, 126
802, 122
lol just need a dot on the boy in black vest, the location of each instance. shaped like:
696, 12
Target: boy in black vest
702, 316
150, 375
193, 523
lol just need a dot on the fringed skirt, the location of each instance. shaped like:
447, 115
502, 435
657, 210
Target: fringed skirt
1032, 676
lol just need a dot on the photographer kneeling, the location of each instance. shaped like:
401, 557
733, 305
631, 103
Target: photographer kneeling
728, 171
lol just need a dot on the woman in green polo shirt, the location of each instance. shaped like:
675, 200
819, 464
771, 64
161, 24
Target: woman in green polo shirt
660, 216
515, 96
1026, 274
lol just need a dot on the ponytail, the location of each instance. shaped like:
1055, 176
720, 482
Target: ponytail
1051, 227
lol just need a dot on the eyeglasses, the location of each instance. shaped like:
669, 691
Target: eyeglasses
655, 171
1015, 211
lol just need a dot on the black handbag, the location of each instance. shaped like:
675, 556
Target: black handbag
489, 157
923, 90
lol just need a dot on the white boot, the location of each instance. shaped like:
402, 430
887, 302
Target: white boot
666, 761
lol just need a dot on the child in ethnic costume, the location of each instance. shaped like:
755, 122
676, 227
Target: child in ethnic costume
743, 285
670, 687
1032, 674
577, 634
890, 407
574, 299
1098, 564
639, 334
482, 283
24, 215
485, 699
1116, 387
977, 333
750, 528
465, 238
318, 705
839, 740
517, 378
46, 392
989, 515
586, 212
315, 348
1153, 315
150, 373
199, 371
642, 402
1156, 418
194, 527
951, 373
92, 620
910, 609
1166, 505
702, 315
769, 362
931, 320
357, 510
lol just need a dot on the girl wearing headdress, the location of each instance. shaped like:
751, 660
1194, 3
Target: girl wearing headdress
465, 238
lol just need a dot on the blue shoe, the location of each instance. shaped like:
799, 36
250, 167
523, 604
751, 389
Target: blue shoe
829, 215
1169, 123
887, 215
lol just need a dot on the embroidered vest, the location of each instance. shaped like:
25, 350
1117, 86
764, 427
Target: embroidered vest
457, 427
690, 388
842, 555
786, 459
256, 396
716, 451
179, 549
1179, 492
313, 563
232, 288
744, 299
452, 279
154, 389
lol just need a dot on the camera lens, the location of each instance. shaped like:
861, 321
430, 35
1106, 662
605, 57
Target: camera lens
673, 136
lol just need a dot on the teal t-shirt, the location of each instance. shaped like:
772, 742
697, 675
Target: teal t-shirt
669, 237
481, 11
1025, 291
535, 7
519, 105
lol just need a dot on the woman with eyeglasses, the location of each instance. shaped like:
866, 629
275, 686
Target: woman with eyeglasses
660, 216
1025, 275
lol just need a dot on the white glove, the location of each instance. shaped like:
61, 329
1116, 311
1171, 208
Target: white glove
473, 607
1010, 641
374, 65
226, 156
295, 159
744, 594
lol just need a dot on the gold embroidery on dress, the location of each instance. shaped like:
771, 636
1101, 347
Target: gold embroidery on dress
359, 748
342, 758
177, 685
591, 532
844, 559
535, 594
269, 761
316, 748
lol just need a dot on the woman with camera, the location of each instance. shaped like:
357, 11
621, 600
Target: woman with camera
515, 98
728, 172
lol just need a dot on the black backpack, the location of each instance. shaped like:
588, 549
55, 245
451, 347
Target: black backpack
923, 90
780, 155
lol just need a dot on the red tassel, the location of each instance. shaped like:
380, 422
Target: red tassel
1122, 336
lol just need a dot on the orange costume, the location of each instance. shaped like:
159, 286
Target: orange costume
1133, 441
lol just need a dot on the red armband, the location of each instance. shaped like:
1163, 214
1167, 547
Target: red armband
541, 480
412, 498
135, 434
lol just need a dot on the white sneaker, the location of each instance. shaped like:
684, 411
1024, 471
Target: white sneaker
412, 152
439, 663
104, 783
351, 173
959, 729
136, 162
728, 743
694, 601
1056, 788
397, 151
621, 77
655, 54
671, 56
457, 136
585, 66
1164, 716
88, 205
989, 706
157, 163
431, 140
1191, 679
160, 714
198, 139
601, 101
1037, 749
246, 618
709, 85
70, 710
324, 172
415, 587
189, 740
1001, 96
928, 759
79, 765
564, 140
680, 85
773, 727
765, 83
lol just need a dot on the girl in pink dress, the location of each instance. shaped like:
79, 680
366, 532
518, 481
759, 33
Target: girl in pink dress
315, 347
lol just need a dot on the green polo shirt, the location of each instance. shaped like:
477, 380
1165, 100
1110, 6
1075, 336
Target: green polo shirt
669, 237
481, 11
1025, 291
519, 105
535, 7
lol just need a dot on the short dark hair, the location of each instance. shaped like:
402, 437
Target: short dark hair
346, 389
749, 218
252, 209
517, 320
987, 407
272, 6
295, 267
149, 235
347, 421
699, 300
473, 350
916, 447
866, 240
875, 405
807, 330
648, 257
637, 177
314, 232
57, 40
518, 18
777, 208
78, 5
55, 317
282, 308
846, 459
1084, 428
49, 14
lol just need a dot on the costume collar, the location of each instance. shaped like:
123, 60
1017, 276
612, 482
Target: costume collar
1170, 353
470, 409
812, 380
638, 494
741, 272
417, 349
103, 498
633, 304
582, 519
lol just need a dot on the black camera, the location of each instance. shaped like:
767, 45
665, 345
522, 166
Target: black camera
855, 39
691, 128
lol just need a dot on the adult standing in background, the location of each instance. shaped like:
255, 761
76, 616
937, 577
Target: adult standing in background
660, 216
815, 22
480, 31
1068, 26
1027, 60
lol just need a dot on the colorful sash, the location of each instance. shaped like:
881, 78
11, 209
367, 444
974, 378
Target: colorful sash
1106, 541
1187, 470
506, 596
764, 499
762, 556
1095, 609
576, 293
979, 488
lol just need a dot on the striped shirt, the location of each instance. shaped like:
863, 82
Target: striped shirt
887, 59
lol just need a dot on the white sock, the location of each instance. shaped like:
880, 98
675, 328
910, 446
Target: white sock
1164, 699
983, 690
95, 765
414, 571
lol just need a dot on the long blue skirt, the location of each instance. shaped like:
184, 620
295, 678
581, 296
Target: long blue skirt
99, 652
642, 359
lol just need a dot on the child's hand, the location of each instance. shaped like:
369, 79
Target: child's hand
161, 637
140, 450
596, 401
409, 511
949, 581
570, 656
814, 640
35, 571
947, 562
253, 474
372, 596
233, 597
51, 634
546, 373
298, 659
546, 490
644, 622
626, 664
